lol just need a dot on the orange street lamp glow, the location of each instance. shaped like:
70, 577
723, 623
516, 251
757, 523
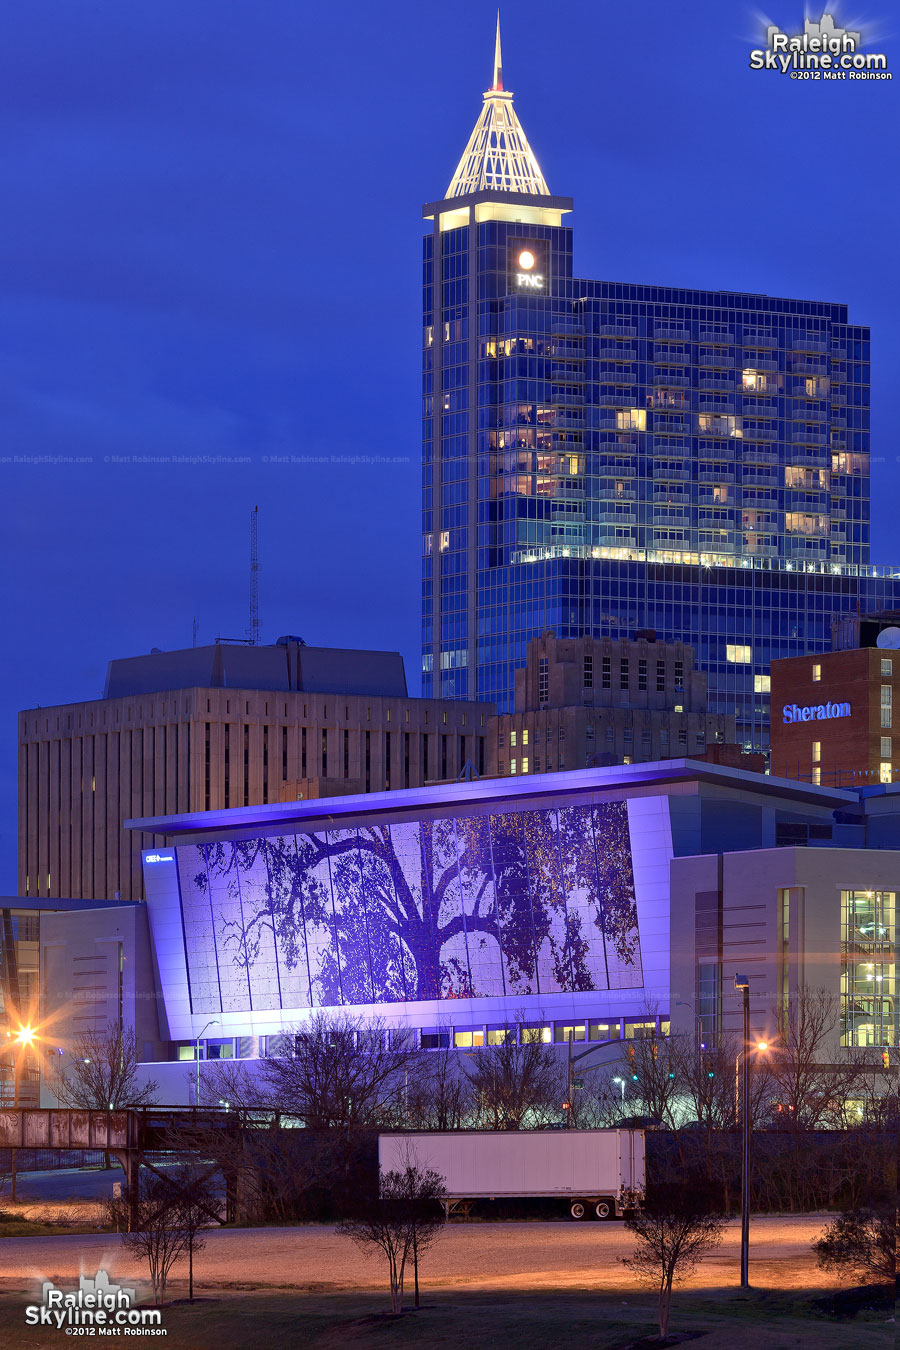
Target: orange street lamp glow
762, 1045
25, 1036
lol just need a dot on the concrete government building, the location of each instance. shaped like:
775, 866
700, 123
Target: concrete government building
208, 728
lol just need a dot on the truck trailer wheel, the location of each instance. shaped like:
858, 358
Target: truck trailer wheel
603, 1209
577, 1209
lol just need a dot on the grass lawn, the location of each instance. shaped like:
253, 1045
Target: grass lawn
576, 1321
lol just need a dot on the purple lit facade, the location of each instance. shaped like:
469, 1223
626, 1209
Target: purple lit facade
516, 904
473, 903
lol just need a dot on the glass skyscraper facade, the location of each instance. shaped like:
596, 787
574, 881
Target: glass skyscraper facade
600, 457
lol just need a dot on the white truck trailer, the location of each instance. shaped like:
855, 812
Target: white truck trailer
590, 1170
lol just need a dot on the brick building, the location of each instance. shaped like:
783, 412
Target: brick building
832, 717
601, 701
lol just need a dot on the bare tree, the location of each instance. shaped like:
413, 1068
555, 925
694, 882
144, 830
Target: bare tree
341, 1073
103, 1075
706, 1081
649, 1067
195, 1194
228, 1083
401, 1222
675, 1229
437, 1095
148, 1216
808, 1084
519, 1077
862, 1242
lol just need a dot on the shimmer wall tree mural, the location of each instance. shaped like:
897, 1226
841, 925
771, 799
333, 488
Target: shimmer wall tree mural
529, 902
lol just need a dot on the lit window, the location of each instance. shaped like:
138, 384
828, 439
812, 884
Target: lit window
886, 666
762, 684
632, 419
513, 763
524, 735
524, 763
639, 1030
816, 776
868, 935
541, 1034
512, 738
885, 775
816, 751
466, 1039
563, 1032
604, 1031
738, 655
445, 540
817, 671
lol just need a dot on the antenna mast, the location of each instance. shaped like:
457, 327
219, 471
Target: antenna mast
254, 578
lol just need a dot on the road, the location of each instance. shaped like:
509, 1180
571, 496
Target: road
65, 1183
478, 1256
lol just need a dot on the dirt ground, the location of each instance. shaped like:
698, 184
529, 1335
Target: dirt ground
477, 1256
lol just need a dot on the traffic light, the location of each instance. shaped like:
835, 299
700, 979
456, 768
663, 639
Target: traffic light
671, 1075
886, 1058
634, 1078
654, 1050
710, 1074
566, 1106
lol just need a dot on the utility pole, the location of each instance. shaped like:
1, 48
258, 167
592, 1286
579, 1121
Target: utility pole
254, 578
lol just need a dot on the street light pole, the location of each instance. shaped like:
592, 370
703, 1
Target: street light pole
213, 1023
573, 1060
742, 983
23, 1039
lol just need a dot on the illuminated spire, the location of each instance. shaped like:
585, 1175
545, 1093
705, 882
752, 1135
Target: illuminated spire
498, 155
497, 86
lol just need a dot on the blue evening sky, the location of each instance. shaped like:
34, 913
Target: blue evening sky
209, 246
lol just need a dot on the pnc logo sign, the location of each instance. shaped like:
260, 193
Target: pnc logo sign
529, 264
816, 712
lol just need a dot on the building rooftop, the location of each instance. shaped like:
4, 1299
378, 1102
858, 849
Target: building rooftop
287, 665
324, 812
58, 902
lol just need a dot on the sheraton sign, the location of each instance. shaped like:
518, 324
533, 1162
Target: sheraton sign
816, 712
